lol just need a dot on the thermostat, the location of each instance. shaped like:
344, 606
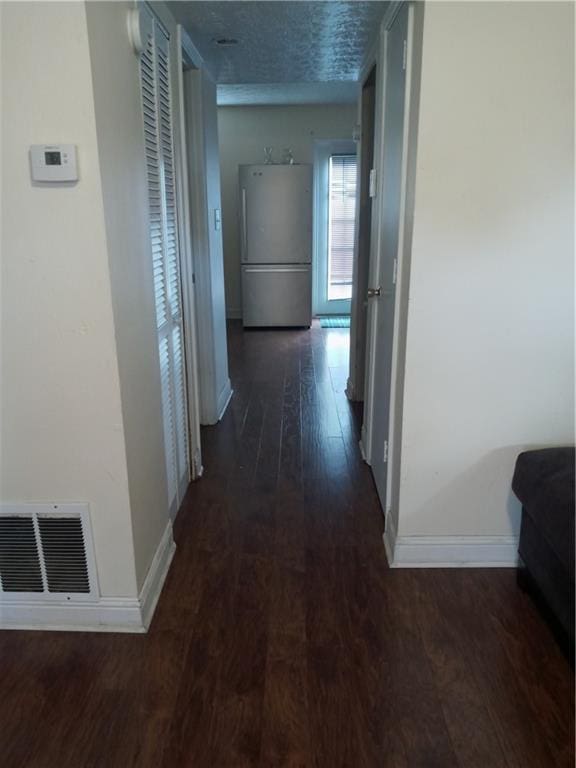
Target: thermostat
54, 162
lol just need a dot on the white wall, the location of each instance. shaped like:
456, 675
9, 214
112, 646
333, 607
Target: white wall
62, 435
204, 175
214, 199
243, 134
115, 77
490, 347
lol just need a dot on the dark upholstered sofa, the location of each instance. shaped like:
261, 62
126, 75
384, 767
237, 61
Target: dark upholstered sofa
544, 483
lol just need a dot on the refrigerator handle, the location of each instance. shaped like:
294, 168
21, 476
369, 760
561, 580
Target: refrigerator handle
273, 269
244, 227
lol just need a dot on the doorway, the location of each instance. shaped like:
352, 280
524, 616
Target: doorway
205, 284
384, 267
335, 175
358, 320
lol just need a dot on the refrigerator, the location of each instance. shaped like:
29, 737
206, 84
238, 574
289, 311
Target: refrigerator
276, 244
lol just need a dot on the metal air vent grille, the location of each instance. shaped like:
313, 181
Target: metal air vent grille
62, 542
19, 560
46, 552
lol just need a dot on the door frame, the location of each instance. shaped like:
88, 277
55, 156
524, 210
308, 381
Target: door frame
186, 56
178, 53
206, 270
356, 385
323, 149
405, 224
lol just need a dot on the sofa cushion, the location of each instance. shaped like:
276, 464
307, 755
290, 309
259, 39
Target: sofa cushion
544, 483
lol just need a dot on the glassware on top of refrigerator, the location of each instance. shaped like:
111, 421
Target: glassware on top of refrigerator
268, 160
287, 157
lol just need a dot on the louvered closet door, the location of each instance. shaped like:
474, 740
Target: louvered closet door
158, 134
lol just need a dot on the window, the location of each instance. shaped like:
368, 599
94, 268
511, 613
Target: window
341, 218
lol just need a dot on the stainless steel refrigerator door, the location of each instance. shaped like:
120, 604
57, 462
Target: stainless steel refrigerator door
276, 214
277, 295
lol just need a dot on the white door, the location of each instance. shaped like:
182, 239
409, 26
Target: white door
384, 275
159, 144
335, 176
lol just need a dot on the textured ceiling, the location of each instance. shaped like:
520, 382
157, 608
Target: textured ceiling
288, 93
282, 42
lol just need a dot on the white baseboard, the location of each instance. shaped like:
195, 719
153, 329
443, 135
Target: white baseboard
217, 408
234, 314
450, 551
363, 444
389, 538
154, 581
224, 398
107, 614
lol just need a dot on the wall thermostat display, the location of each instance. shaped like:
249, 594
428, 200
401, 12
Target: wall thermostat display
53, 162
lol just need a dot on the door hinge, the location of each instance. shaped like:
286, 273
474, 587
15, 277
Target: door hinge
394, 271
372, 183
385, 459
404, 55
193, 279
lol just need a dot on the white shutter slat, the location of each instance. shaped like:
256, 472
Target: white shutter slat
180, 399
148, 90
167, 416
159, 159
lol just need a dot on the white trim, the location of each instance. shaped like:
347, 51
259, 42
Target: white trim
362, 444
375, 241
191, 55
323, 148
400, 322
391, 12
108, 614
154, 581
371, 60
411, 96
224, 398
186, 257
357, 357
193, 89
199, 98
450, 551
389, 538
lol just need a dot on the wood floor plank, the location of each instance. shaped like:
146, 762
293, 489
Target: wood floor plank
286, 722
494, 675
281, 637
472, 732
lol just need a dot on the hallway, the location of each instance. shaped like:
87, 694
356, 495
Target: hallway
281, 637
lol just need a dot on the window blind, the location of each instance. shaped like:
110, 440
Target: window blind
159, 146
341, 219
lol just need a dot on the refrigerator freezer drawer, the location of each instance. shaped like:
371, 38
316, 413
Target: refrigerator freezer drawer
277, 295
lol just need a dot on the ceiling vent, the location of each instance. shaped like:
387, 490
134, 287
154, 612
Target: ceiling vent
225, 42
46, 552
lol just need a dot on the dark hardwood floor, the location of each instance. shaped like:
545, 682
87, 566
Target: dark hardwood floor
282, 638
